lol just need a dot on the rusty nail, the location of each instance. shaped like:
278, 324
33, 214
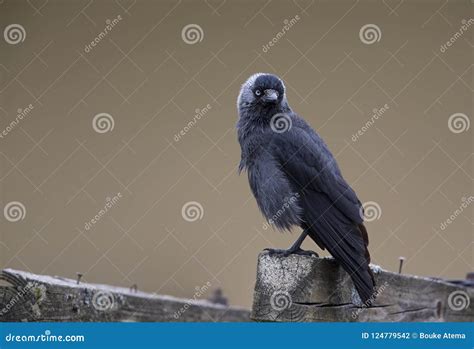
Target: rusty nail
401, 259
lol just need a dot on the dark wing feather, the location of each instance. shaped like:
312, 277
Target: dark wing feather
330, 208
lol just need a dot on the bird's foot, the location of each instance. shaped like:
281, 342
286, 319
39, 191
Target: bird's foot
286, 253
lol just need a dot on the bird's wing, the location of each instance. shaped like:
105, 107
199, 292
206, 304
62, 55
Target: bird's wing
309, 164
331, 209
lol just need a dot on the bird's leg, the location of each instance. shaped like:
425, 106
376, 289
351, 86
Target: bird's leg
294, 249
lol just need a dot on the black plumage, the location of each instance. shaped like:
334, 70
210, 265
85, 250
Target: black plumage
296, 180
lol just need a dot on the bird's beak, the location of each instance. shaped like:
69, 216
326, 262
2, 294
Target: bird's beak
270, 96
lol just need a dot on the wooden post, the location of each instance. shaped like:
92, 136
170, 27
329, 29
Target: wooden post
30, 297
307, 288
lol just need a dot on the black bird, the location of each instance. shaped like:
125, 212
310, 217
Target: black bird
296, 180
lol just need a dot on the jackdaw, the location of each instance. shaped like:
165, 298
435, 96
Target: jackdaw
296, 180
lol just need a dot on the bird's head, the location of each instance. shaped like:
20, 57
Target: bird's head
262, 92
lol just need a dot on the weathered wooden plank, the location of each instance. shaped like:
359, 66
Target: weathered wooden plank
31, 297
307, 288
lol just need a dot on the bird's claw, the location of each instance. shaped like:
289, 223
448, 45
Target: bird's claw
286, 253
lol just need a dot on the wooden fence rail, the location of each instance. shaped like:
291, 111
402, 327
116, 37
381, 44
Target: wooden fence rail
294, 288
31, 297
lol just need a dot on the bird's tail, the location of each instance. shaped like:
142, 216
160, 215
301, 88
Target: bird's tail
346, 242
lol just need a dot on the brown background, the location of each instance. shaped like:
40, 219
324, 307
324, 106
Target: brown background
151, 82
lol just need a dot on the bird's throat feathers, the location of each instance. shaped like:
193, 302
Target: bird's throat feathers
250, 131
257, 119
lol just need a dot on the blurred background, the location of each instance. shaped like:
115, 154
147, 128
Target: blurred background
118, 146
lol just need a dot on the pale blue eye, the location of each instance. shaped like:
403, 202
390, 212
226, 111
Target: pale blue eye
258, 92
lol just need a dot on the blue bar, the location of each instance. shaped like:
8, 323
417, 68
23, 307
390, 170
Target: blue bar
238, 335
